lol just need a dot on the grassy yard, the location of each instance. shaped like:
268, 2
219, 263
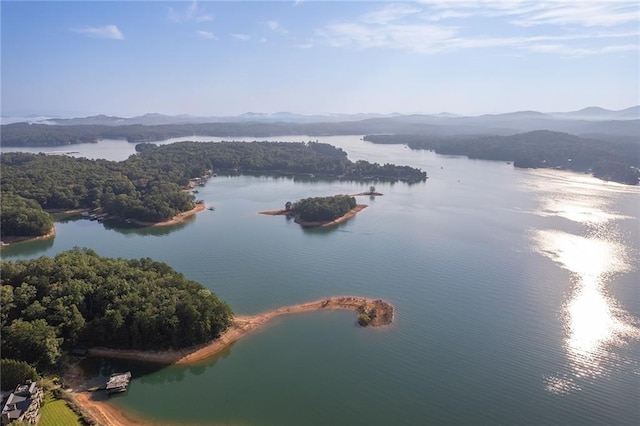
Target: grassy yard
55, 412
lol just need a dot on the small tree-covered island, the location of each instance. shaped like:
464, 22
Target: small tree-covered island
149, 187
320, 211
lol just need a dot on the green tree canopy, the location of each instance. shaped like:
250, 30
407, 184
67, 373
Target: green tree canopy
21, 216
323, 209
149, 186
34, 342
80, 298
14, 372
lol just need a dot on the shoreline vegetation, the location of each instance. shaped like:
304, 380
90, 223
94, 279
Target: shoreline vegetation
177, 219
379, 312
616, 161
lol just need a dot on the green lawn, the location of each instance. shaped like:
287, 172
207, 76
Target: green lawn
55, 412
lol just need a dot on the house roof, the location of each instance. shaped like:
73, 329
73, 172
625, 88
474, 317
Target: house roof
19, 401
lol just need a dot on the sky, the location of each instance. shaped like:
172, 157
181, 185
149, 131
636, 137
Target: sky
222, 58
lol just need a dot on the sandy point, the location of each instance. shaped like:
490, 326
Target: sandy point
244, 325
179, 218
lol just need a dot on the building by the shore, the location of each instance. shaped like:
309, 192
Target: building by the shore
23, 404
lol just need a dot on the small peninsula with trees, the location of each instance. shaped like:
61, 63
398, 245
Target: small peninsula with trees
136, 309
149, 187
80, 299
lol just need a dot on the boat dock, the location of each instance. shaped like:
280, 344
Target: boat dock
118, 382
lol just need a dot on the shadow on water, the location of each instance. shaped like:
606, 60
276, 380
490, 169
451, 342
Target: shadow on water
125, 228
97, 370
310, 178
66, 218
153, 231
27, 248
320, 231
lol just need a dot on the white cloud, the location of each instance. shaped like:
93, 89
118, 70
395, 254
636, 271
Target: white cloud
304, 46
422, 30
582, 51
276, 27
389, 13
586, 13
572, 45
207, 35
193, 12
107, 31
416, 38
447, 14
241, 37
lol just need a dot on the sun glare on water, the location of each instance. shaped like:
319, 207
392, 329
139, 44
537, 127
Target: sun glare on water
593, 321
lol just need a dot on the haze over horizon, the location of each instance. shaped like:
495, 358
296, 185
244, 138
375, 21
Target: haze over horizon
305, 57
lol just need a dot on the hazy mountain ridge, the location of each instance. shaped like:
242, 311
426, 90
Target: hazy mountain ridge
597, 113
151, 119
161, 127
588, 114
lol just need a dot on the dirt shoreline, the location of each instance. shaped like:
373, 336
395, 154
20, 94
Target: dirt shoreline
104, 413
369, 194
6, 241
107, 414
179, 218
242, 326
348, 215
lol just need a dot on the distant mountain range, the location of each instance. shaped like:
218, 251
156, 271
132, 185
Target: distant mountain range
597, 113
603, 141
592, 122
152, 119
588, 114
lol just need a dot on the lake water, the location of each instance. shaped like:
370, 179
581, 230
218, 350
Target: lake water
516, 295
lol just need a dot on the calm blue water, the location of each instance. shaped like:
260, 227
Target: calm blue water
516, 296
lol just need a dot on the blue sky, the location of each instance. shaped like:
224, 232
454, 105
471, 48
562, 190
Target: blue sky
227, 58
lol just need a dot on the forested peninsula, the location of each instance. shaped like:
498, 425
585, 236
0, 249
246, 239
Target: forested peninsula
149, 186
51, 305
613, 161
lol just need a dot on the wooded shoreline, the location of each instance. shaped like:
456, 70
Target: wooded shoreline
179, 218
